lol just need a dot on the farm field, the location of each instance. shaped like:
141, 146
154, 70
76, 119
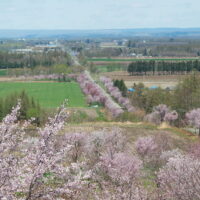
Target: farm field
128, 60
121, 59
111, 67
49, 94
160, 81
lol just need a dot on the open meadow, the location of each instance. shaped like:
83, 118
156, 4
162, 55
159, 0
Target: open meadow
49, 94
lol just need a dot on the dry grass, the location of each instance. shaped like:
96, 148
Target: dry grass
134, 130
161, 81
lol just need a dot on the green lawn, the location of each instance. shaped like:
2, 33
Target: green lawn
50, 95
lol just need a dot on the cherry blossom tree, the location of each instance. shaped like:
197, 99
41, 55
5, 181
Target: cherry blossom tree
146, 146
58, 165
115, 185
194, 150
160, 114
121, 163
180, 178
25, 165
48, 76
193, 118
77, 141
116, 93
150, 148
95, 93
10, 138
99, 165
171, 116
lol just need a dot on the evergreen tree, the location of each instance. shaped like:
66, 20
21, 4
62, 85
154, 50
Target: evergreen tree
121, 85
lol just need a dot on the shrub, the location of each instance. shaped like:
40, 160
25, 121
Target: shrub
137, 116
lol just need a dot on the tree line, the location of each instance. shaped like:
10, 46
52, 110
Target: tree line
162, 67
31, 60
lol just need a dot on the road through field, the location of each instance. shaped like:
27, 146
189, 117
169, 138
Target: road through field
104, 92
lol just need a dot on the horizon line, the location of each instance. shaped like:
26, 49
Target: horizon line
98, 29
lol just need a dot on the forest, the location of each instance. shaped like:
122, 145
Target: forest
31, 60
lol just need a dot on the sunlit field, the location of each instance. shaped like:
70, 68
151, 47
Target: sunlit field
49, 95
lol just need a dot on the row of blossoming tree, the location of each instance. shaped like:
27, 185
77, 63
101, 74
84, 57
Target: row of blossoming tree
100, 165
62, 77
116, 93
95, 93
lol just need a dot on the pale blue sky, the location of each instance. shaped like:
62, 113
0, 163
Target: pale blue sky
98, 14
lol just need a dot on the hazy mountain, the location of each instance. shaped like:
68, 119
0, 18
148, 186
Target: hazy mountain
112, 33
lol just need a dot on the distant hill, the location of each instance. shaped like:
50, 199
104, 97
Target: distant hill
108, 33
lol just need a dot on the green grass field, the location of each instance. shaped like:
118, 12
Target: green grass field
3, 72
137, 59
111, 68
49, 95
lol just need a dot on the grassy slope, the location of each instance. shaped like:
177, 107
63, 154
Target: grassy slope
50, 95
135, 129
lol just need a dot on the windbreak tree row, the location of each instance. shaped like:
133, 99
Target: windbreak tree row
162, 67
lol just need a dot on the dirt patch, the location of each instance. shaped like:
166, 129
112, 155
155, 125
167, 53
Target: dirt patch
89, 111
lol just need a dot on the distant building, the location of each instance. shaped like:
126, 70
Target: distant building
139, 55
131, 90
108, 44
153, 87
132, 54
37, 49
24, 51
46, 47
